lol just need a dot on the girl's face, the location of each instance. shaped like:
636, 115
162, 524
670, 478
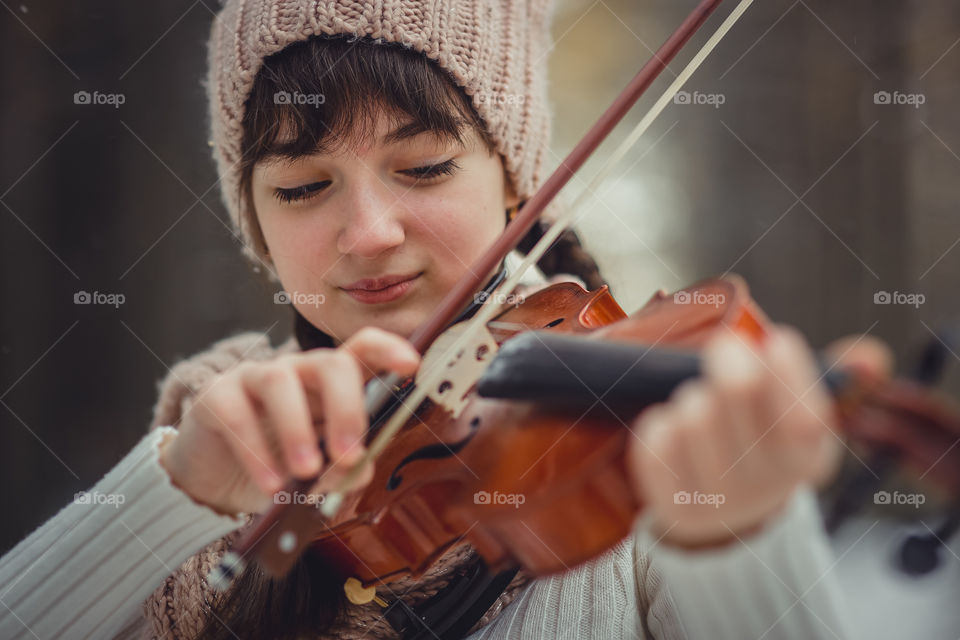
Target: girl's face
376, 233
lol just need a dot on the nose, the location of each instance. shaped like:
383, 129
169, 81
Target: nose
373, 222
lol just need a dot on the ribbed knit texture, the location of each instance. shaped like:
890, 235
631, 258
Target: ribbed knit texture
86, 572
495, 51
774, 585
138, 571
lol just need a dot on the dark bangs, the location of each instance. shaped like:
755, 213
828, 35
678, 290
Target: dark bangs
323, 93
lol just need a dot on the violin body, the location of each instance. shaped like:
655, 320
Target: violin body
536, 481
526, 483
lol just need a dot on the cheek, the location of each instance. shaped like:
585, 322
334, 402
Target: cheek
455, 242
300, 250
457, 229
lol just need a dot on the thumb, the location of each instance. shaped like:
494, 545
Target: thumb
865, 353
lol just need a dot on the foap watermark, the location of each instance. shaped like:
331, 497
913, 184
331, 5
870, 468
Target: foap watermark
297, 497
112, 99
897, 98
95, 497
485, 297
97, 297
899, 297
503, 99
715, 100
712, 499
299, 298
898, 498
295, 97
699, 298
485, 497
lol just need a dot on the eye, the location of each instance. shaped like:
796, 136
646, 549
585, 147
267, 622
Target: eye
300, 193
428, 172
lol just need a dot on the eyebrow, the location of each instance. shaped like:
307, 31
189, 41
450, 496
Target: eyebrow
403, 132
406, 131
412, 130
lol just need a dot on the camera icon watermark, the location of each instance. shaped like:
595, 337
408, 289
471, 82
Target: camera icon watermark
898, 498
111, 299
497, 498
297, 497
295, 97
914, 100
696, 98
485, 297
502, 99
95, 497
699, 298
899, 297
697, 498
88, 98
299, 298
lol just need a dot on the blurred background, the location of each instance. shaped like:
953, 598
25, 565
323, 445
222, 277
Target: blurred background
815, 154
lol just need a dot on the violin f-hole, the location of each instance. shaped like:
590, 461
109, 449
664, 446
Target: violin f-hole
432, 452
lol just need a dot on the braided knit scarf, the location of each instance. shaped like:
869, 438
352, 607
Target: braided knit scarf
179, 608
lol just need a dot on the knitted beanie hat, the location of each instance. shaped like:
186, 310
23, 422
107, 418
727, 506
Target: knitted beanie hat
495, 51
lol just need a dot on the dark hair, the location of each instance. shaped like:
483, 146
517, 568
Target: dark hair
407, 87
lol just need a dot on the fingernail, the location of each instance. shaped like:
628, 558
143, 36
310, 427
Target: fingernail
649, 423
270, 481
306, 456
780, 345
350, 449
693, 405
734, 361
411, 354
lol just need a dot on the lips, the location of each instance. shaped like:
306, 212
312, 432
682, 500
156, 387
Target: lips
380, 290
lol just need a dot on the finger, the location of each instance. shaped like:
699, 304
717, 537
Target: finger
657, 460
860, 352
336, 378
736, 372
803, 409
332, 476
377, 350
797, 393
278, 389
701, 433
236, 418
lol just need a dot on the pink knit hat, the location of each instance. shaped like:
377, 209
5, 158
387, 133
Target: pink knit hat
496, 51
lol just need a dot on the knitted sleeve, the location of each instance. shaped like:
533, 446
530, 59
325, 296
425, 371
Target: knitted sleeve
177, 607
85, 572
776, 583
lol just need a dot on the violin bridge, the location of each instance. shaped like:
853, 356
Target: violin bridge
460, 370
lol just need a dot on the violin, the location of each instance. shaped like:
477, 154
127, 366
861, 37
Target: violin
513, 434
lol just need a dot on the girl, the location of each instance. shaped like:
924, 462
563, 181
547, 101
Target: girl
369, 153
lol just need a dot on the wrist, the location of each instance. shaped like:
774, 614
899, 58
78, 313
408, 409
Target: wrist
717, 534
163, 458
169, 466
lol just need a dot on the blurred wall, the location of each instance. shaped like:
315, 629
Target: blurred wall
785, 166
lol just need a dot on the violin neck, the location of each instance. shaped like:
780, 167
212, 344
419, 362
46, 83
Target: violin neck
576, 372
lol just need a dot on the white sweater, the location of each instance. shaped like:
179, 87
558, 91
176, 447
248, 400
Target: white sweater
86, 571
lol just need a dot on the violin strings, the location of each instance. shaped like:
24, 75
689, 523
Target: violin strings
432, 377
